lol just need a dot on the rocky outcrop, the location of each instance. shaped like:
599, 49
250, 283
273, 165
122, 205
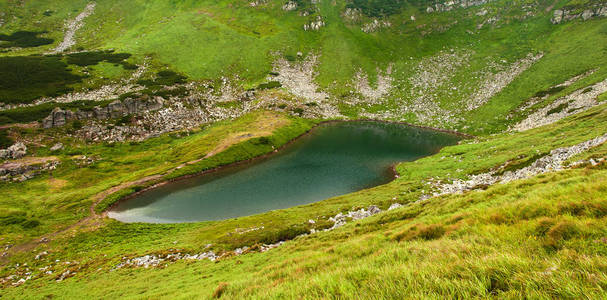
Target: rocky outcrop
555, 161
18, 150
315, 25
116, 109
375, 25
18, 172
564, 15
454, 4
289, 6
576, 102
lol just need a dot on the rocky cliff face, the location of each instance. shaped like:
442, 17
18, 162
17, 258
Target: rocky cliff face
116, 109
564, 15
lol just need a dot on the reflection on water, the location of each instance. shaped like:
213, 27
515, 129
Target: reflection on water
335, 159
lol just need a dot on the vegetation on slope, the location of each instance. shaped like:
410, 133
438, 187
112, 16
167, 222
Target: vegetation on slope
540, 237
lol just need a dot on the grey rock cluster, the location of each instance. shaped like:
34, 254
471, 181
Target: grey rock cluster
576, 102
17, 150
315, 25
152, 260
341, 219
453, 4
116, 109
548, 163
289, 6
598, 10
17, 172
375, 25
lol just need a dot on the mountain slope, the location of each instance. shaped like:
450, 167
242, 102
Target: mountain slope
111, 97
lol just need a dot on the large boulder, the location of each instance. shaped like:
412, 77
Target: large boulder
84, 114
116, 109
59, 117
48, 122
18, 150
101, 113
557, 17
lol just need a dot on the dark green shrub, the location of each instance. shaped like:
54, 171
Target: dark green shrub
76, 125
264, 140
269, 85
549, 91
164, 78
5, 140
23, 39
177, 92
557, 109
124, 120
25, 78
95, 57
298, 110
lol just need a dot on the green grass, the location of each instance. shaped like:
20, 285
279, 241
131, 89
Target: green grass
204, 40
543, 237
505, 241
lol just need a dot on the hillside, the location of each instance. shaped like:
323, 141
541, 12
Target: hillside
101, 100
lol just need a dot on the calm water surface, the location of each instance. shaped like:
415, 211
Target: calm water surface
335, 159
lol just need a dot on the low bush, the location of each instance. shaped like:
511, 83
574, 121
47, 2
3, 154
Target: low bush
5, 140
557, 109
164, 78
25, 78
95, 57
269, 85
24, 39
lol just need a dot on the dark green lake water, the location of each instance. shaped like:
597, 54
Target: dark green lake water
332, 160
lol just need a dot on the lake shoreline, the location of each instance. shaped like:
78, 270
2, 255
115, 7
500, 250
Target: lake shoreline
392, 169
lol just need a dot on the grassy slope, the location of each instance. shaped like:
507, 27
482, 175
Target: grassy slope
500, 242
496, 242
205, 40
